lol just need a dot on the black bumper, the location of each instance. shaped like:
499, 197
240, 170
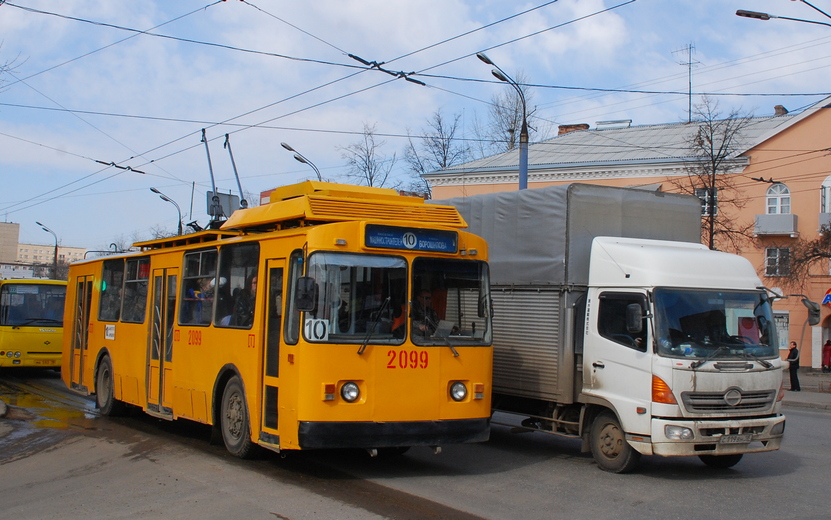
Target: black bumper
313, 435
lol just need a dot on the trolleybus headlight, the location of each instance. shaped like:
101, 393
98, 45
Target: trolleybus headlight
350, 392
458, 391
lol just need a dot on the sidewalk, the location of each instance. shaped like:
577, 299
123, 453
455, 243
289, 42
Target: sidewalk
816, 390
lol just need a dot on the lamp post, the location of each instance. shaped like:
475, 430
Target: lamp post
299, 158
765, 16
55, 260
501, 75
168, 199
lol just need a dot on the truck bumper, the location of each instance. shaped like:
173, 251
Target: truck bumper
711, 437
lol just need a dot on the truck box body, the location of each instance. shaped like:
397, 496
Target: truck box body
540, 242
613, 323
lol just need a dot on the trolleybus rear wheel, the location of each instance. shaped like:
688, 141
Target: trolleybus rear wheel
107, 404
609, 446
236, 431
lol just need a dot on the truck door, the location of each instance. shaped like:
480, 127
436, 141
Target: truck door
617, 362
160, 358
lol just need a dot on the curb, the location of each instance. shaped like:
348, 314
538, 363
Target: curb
815, 406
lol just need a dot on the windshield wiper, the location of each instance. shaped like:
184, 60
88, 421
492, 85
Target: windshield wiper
371, 330
35, 320
713, 354
762, 362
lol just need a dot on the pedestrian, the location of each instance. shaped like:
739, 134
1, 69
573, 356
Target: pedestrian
826, 356
793, 358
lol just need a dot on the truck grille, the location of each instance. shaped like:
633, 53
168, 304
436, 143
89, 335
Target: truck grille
729, 401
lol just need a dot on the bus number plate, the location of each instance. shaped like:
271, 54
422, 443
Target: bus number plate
407, 358
742, 438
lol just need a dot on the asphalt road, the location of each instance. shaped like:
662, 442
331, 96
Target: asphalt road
58, 458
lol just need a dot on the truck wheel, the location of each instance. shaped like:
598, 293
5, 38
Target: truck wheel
236, 432
609, 446
721, 461
104, 400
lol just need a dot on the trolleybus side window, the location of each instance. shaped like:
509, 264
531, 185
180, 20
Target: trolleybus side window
292, 322
112, 281
198, 288
238, 282
135, 290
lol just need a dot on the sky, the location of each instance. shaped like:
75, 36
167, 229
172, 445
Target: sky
105, 99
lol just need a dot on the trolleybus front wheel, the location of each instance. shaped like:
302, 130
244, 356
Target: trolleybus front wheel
236, 431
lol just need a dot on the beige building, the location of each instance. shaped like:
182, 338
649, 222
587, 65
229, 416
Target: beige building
45, 254
781, 168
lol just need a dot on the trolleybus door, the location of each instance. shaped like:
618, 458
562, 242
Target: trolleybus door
160, 358
271, 362
80, 332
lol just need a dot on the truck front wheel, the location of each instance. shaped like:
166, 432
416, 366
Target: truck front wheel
609, 446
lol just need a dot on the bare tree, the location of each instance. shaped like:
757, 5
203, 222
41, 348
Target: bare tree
713, 148
366, 163
807, 257
501, 131
6, 67
437, 149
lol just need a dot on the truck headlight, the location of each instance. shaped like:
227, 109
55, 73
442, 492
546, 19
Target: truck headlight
778, 428
678, 433
350, 392
458, 391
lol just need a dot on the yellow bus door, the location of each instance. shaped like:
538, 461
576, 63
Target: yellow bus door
80, 333
269, 433
160, 358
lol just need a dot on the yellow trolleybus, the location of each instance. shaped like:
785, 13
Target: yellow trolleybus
31, 322
335, 316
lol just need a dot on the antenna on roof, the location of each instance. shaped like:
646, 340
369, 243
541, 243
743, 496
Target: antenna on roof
690, 49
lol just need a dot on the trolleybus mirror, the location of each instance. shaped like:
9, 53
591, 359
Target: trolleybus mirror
304, 297
634, 318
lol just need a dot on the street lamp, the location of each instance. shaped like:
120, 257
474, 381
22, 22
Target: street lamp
168, 199
55, 261
299, 158
501, 75
765, 16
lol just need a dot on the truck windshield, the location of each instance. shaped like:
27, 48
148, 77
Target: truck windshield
722, 324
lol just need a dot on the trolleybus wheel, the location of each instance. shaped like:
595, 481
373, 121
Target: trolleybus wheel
236, 432
107, 404
609, 446
721, 461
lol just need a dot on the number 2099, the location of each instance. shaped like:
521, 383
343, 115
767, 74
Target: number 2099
407, 359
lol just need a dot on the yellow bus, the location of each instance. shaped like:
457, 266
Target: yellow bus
335, 316
31, 322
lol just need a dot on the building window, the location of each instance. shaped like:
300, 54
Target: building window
777, 261
779, 199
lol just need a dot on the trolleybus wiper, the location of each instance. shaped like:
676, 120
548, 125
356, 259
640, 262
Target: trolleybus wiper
371, 329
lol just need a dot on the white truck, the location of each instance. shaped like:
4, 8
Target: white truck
614, 324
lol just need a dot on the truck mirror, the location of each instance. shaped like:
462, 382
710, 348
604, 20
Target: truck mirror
813, 311
304, 295
634, 318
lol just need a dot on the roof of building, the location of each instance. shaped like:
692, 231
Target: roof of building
659, 143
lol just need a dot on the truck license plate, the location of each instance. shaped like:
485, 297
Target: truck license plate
742, 438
